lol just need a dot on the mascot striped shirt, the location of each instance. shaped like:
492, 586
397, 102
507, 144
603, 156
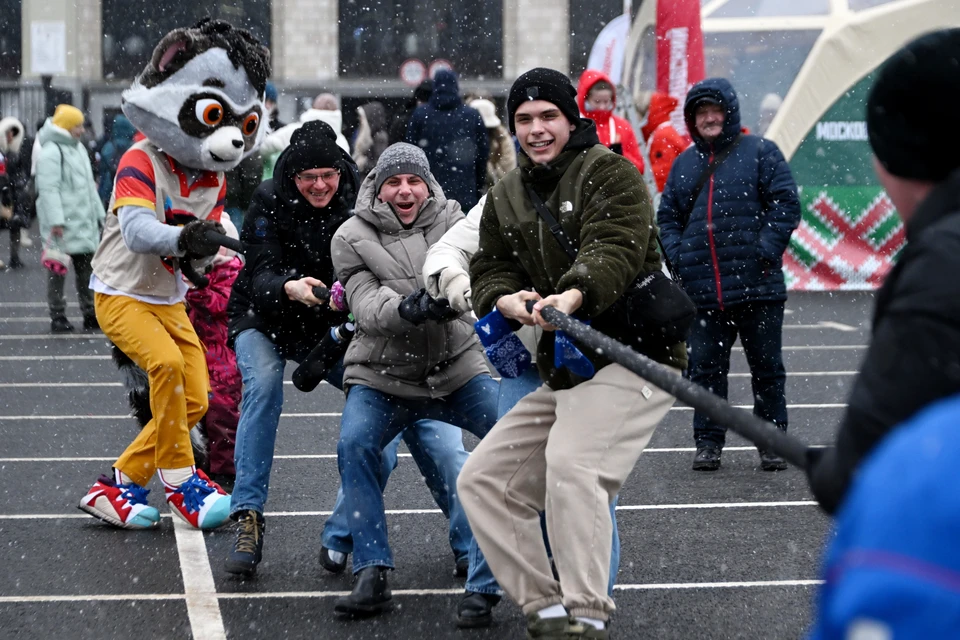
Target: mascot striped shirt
149, 179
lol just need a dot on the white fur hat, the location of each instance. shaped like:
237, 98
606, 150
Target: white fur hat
487, 111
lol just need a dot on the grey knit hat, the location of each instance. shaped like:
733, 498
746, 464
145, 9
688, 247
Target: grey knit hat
402, 157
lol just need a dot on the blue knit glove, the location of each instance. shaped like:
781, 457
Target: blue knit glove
566, 354
502, 346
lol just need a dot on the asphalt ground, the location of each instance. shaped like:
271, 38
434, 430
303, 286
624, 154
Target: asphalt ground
731, 554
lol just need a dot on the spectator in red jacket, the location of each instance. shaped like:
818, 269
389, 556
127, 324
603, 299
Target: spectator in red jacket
597, 97
664, 142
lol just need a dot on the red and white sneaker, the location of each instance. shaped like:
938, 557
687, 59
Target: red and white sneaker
200, 502
122, 505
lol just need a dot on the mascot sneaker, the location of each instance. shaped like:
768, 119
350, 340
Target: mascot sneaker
200, 502
122, 505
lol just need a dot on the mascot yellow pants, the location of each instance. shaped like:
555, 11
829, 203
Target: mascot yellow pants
161, 340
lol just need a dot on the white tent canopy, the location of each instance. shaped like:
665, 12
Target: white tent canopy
805, 52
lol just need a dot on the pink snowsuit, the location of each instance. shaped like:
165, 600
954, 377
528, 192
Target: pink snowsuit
207, 309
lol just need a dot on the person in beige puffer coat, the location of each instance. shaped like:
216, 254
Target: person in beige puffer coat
413, 357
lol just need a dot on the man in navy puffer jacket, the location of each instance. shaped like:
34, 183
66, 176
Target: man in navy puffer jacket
455, 140
728, 248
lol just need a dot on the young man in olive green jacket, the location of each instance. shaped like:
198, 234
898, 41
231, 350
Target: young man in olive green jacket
568, 447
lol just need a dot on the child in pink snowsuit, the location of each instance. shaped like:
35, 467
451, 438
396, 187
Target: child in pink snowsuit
207, 309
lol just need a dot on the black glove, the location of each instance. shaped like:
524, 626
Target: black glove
325, 355
827, 488
194, 242
419, 306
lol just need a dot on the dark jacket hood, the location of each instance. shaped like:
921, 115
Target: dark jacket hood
286, 189
721, 91
446, 91
122, 132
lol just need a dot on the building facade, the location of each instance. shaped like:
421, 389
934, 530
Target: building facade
89, 50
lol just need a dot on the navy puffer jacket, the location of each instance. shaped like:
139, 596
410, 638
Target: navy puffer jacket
730, 248
454, 139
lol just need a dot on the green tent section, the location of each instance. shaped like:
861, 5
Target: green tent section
815, 59
850, 234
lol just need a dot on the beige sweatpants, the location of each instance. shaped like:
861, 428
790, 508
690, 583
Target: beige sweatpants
566, 452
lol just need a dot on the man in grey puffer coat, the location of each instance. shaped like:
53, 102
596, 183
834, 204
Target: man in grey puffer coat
413, 356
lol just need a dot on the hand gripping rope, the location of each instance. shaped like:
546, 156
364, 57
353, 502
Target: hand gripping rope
760, 432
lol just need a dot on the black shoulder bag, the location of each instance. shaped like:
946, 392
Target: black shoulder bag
654, 305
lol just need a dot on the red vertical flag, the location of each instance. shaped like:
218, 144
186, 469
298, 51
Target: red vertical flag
679, 52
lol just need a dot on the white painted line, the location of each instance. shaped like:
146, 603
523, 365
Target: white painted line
203, 609
666, 586
839, 347
716, 505
719, 585
422, 512
81, 385
58, 336
41, 358
94, 598
57, 385
797, 374
820, 347
333, 456
25, 305
36, 319
104, 417
335, 415
839, 326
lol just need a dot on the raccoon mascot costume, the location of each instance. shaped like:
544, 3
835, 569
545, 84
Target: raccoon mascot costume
199, 102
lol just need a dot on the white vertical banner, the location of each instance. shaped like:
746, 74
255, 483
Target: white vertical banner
48, 47
610, 47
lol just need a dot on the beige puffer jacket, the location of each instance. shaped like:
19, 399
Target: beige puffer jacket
379, 262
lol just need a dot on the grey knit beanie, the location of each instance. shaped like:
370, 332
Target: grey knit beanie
402, 157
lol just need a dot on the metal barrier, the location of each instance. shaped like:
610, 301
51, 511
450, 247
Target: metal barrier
26, 103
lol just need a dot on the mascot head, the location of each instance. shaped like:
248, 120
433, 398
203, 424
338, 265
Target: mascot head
200, 98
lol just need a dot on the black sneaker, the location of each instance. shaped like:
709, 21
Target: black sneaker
476, 610
90, 323
60, 325
15, 263
707, 459
248, 549
769, 461
461, 568
331, 564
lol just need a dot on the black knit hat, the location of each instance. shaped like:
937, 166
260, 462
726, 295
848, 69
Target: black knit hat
313, 146
911, 106
543, 84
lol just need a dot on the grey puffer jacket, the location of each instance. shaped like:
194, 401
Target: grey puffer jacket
379, 261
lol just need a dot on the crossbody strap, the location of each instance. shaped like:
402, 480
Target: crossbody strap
552, 223
705, 176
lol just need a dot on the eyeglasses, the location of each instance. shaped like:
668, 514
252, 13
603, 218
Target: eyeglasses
310, 178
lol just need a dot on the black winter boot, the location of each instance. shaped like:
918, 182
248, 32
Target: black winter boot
370, 595
248, 549
476, 610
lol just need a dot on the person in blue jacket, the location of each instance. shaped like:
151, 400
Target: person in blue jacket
727, 241
455, 140
893, 568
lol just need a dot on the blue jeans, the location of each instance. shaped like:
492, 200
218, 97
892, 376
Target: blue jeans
261, 368
760, 327
371, 419
437, 448
480, 578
